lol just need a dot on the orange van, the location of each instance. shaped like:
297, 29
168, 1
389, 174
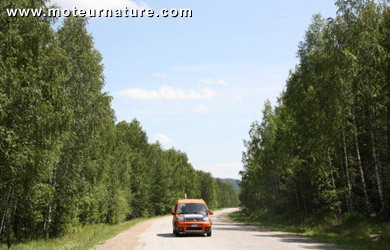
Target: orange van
191, 216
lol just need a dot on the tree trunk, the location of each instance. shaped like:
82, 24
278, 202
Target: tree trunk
16, 224
349, 186
304, 202
296, 197
344, 179
4, 216
9, 242
388, 131
366, 199
333, 183
9, 213
331, 172
56, 223
377, 163
47, 221
46, 224
278, 185
2, 221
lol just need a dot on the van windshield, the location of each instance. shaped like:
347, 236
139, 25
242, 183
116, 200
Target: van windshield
191, 208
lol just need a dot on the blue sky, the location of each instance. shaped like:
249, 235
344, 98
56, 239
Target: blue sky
196, 84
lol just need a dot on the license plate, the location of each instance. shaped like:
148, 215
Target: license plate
194, 225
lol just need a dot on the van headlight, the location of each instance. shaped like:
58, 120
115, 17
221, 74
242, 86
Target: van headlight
180, 219
206, 218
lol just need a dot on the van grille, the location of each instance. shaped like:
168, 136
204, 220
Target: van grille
193, 219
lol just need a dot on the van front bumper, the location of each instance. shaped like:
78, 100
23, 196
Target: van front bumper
193, 227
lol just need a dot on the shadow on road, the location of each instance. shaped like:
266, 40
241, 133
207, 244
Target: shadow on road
171, 235
289, 238
266, 233
321, 247
240, 228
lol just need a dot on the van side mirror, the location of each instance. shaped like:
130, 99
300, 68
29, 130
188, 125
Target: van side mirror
173, 212
211, 212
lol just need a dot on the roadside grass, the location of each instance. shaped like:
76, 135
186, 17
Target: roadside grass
88, 237
350, 231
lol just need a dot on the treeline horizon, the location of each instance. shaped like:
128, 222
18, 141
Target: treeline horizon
64, 160
324, 148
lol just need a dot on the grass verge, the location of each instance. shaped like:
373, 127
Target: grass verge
350, 231
88, 237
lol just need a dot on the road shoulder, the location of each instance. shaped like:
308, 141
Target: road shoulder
128, 239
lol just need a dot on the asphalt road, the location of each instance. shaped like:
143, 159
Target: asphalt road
227, 235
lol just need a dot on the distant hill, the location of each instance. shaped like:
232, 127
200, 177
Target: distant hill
234, 182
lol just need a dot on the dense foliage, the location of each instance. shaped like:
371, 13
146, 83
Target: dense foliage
325, 148
64, 161
234, 182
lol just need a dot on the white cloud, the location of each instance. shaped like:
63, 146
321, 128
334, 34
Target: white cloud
206, 81
163, 139
237, 98
100, 4
219, 82
222, 82
160, 75
168, 93
188, 68
221, 170
202, 109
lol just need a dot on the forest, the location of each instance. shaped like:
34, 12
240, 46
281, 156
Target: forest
65, 161
324, 148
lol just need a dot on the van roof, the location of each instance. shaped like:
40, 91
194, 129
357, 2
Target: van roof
191, 201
